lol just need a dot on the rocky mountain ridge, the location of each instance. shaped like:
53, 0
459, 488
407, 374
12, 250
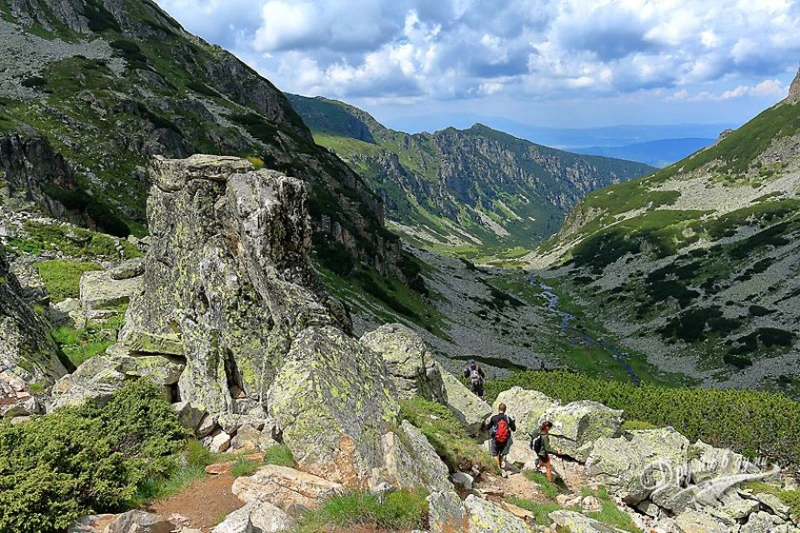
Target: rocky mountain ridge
695, 265
90, 90
475, 189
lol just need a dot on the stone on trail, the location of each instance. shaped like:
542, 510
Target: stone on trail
410, 363
285, 486
227, 276
577, 425
334, 400
255, 517
99, 290
634, 467
486, 517
578, 523
446, 513
468, 409
249, 439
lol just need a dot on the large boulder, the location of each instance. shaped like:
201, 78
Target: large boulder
527, 407
640, 463
285, 486
446, 513
27, 351
139, 522
578, 523
227, 277
577, 425
334, 400
485, 517
255, 517
99, 289
411, 365
411, 461
470, 410
708, 463
101, 375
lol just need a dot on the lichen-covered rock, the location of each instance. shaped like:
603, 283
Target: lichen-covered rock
695, 521
446, 513
634, 466
101, 375
267, 518
470, 410
578, 523
99, 289
27, 351
486, 517
227, 275
708, 462
577, 425
189, 414
334, 400
128, 269
409, 361
285, 486
16, 398
139, 522
411, 461
250, 439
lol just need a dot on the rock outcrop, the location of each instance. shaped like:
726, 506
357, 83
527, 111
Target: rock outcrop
285, 485
27, 352
470, 410
227, 282
794, 90
413, 369
578, 425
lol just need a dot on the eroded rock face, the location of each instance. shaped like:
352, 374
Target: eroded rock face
413, 369
27, 352
486, 517
334, 400
412, 462
227, 282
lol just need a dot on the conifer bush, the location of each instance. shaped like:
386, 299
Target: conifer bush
85, 460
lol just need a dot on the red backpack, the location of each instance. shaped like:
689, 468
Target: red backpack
502, 433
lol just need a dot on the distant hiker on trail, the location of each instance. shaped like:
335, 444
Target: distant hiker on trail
500, 428
541, 445
475, 375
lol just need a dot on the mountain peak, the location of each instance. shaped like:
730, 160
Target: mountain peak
794, 89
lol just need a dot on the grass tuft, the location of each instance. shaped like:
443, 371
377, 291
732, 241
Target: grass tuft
401, 510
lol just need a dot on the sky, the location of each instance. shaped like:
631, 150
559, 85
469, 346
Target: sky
549, 63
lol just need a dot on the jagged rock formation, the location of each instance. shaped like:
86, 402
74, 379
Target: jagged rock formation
70, 66
27, 352
462, 187
794, 90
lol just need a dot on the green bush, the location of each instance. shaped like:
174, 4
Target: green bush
62, 278
635, 425
788, 497
458, 451
85, 460
243, 467
754, 423
280, 455
399, 510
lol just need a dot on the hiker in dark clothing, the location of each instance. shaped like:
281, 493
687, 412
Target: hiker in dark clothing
500, 428
475, 375
541, 445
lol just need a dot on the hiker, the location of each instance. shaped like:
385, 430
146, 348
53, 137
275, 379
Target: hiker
500, 428
475, 374
541, 445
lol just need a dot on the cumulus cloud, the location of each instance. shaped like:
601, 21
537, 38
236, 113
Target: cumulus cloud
408, 49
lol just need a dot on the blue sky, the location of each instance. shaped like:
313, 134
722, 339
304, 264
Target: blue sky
556, 63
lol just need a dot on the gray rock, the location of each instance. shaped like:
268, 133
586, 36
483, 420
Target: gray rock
99, 290
636, 466
91, 524
27, 351
577, 523
227, 274
248, 438
285, 487
139, 522
694, 522
237, 522
446, 513
218, 443
470, 410
527, 407
463, 479
267, 518
408, 360
331, 383
708, 462
410, 461
189, 415
577, 425
128, 269
16, 399
485, 517
206, 426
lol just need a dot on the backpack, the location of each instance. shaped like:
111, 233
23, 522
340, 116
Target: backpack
536, 443
475, 377
502, 433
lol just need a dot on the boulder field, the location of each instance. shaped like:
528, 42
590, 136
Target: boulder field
226, 316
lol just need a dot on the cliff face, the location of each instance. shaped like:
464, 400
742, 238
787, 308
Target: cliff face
475, 187
90, 90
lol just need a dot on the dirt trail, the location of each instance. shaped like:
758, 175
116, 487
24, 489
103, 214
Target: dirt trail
206, 502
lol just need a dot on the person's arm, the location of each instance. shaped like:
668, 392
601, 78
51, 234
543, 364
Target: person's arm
480, 371
512, 424
466, 372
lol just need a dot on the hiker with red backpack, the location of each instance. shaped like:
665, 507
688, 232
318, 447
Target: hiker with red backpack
500, 428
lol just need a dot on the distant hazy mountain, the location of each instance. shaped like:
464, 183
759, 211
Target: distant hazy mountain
476, 189
660, 153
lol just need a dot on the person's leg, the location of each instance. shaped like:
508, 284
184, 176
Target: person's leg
548, 471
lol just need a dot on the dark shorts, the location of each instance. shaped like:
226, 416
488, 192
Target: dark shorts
544, 458
477, 390
503, 451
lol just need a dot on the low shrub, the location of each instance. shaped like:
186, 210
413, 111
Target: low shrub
403, 510
62, 278
541, 510
85, 460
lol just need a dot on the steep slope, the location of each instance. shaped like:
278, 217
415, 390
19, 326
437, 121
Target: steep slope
697, 264
91, 89
462, 190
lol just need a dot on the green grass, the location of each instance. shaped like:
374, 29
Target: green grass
541, 511
280, 455
610, 515
401, 510
163, 487
243, 467
62, 278
81, 344
73, 242
548, 489
458, 451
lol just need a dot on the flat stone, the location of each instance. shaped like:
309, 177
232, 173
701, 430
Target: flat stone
486, 517
577, 523
694, 522
99, 290
128, 269
285, 486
